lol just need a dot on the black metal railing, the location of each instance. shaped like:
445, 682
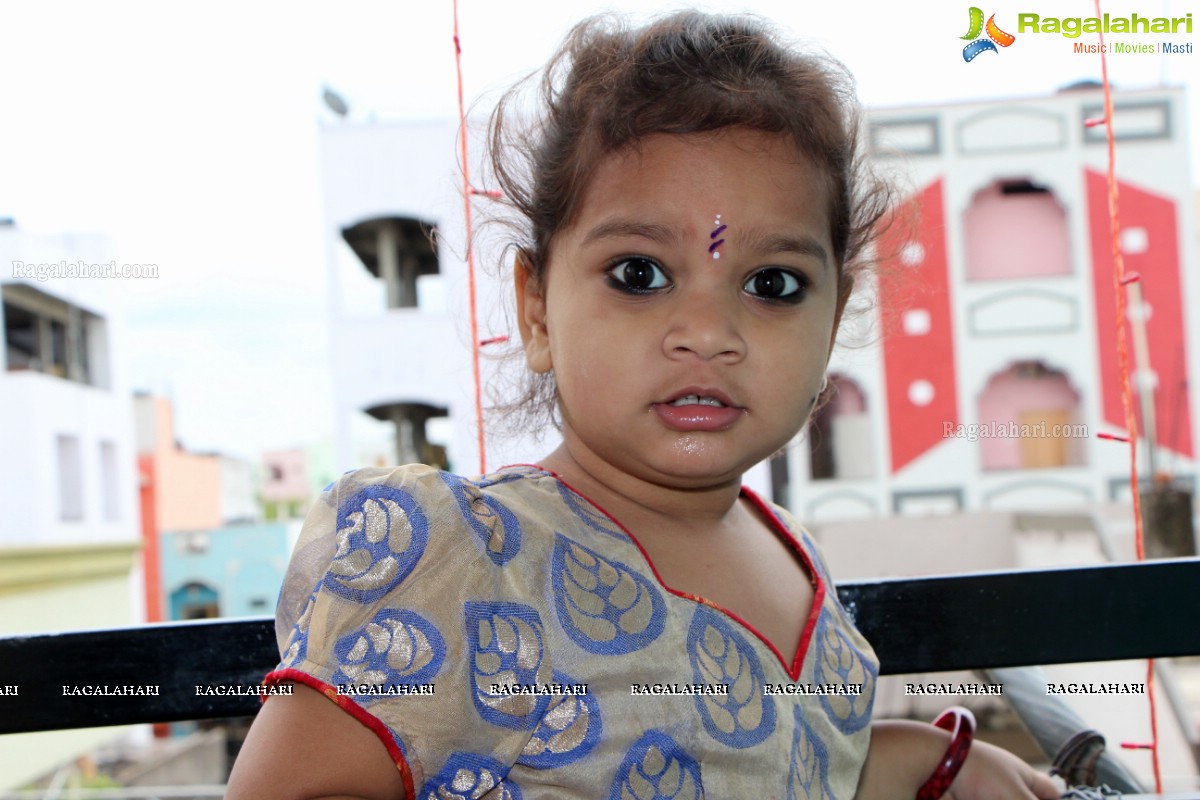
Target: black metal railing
935, 624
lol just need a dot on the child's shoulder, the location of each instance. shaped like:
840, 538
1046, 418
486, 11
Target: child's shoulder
413, 538
495, 506
425, 484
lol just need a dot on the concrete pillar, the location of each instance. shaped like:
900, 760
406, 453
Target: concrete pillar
387, 244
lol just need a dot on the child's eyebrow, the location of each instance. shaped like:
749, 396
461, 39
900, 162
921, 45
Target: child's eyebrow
662, 234
805, 245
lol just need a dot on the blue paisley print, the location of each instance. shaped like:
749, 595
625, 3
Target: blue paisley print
568, 730
589, 515
381, 534
467, 776
840, 662
395, 648
808, 774
494, 525
604, 606
721, 655
507, 647
656, 768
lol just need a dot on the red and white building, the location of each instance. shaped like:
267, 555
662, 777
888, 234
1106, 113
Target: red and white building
987, 362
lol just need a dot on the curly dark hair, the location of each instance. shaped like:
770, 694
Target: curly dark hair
611, 84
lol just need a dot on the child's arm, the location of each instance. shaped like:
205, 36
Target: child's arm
903, 755
303, 747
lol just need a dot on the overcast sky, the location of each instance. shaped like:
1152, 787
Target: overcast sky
188, 135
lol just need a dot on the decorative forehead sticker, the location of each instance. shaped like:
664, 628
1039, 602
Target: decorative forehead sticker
718, 228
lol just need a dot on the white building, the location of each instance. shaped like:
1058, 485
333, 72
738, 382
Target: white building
69, 534
962, 435
397, 353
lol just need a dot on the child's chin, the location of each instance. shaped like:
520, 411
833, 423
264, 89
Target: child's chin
699, 470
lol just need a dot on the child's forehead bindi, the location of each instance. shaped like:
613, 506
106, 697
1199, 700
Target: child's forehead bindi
715, 246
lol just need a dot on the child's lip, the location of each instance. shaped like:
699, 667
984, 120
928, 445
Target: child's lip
694, 418
703, 391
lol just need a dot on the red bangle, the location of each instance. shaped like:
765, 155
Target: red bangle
961, 724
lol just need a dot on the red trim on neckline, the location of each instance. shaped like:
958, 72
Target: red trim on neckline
813, 575
793, 671
373, 723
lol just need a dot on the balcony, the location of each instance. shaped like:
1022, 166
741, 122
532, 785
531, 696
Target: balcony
987, 622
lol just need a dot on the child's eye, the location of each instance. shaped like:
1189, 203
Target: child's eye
638, 275
777, 284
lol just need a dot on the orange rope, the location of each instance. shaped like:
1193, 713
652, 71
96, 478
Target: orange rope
1119, 283
466, 173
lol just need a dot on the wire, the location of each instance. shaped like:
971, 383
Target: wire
467, 193
1119, 283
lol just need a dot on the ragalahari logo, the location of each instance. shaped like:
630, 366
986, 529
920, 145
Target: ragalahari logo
995, 36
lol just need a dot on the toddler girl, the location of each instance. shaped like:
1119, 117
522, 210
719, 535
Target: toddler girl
623, 620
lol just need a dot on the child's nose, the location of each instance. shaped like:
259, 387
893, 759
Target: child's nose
705, 327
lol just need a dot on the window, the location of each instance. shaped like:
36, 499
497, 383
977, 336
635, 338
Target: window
1027, 416
191, 543
1016, 229
398, 251
21, 338
42, 333
57, 365
108, 482
195, 601
70, 479
839, 433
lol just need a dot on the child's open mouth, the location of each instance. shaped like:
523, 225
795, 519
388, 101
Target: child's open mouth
699, 410
698, 400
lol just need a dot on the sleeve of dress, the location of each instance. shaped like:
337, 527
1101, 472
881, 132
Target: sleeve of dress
375, 612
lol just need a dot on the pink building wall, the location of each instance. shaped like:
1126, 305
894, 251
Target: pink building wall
188, 486
286, 475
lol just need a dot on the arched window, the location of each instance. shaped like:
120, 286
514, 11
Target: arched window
1015, 229
195, 601
1028, 419
839, 433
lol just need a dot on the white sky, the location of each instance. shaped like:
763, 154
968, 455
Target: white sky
188, 134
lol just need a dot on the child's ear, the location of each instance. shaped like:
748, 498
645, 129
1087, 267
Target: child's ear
531, 314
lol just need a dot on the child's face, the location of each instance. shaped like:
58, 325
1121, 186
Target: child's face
635, 315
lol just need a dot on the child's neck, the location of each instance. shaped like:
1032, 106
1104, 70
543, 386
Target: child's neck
703, 543
636, 501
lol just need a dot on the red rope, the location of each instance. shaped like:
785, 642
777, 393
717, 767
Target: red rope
467, 192
1119, 282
